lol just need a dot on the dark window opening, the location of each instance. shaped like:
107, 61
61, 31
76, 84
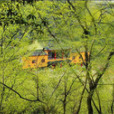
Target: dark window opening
43, 60
58, 54
33, 61
51, 55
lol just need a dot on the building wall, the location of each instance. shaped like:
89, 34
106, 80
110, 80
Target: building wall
35, 61
75, 57
42, 61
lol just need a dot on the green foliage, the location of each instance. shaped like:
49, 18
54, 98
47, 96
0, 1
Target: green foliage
56, 90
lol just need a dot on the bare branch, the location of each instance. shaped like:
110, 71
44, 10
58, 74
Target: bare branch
80, 102
57, 85
90, 54
100, 51
104, 69
93, 20
81, 56
100, 111
21, 95
79, 21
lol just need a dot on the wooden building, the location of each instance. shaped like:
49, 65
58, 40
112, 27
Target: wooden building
38, 59
50, 56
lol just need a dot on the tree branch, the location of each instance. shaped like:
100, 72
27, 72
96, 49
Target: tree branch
10, 88
57, 85
93, 20
104, 69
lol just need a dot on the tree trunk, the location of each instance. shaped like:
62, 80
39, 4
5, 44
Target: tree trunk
64, 105
89, 99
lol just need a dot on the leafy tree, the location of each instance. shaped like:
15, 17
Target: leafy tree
70, 17
14, 41
82, 26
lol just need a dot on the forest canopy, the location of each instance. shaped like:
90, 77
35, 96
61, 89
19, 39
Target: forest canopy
78, 26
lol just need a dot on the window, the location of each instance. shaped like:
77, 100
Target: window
33, 61
51, 54
43, 60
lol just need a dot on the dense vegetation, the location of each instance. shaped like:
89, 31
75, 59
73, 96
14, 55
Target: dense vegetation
79, 25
